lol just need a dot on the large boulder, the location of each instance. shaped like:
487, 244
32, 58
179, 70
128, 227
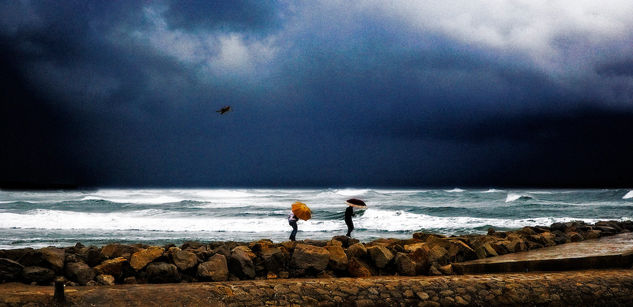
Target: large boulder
338, 258
404, 265
143, 257
275, 258
116, 250
357, 250
54, 257
215, 269
162, 272
241, 264
184, 260
308, 257
358, 268
114, 267
380, 256
40, 275
79, 272
10, 270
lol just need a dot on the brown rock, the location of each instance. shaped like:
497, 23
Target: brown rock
241, 264
307, 257
129, 280
592, 234
410, 248
358, 268
40, 275
246, 250
161, 272
54, 256
380, 255
112, 267
184, 260
404, 265
116, 250
104, 279
338, 258
575, 237
357, 250
446, 269
10, 270
274, 258
141, 258
79, 272
216, 269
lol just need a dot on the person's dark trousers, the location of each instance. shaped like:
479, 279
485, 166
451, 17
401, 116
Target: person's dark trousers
294, 230
350, 227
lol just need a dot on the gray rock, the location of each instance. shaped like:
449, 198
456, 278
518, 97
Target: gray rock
215, 269
79, 272
161, 272
54, 257
274, 259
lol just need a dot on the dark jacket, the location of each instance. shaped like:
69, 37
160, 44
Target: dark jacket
349, 212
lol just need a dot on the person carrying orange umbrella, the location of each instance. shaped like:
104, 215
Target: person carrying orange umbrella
299, 211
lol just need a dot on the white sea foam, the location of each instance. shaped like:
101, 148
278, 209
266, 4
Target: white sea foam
628, 195
351, 192
492, 191
513, 197
455, 190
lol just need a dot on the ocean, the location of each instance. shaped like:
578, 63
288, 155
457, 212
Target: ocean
160, 216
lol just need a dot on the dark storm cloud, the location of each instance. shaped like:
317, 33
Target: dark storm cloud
324, 93
239, 15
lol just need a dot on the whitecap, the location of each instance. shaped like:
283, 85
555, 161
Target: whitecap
628, 195
512, 197
455, 190
492, 191
351, 192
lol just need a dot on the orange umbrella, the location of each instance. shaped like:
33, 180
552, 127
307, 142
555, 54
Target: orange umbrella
301, 211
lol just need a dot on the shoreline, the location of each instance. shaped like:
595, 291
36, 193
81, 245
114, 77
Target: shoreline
423, 254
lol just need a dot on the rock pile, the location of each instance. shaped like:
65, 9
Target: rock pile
424, 254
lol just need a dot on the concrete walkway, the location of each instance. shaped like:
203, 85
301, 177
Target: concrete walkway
574, 288
607, 252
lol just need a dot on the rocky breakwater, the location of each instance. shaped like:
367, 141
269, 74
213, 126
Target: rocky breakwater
423, 254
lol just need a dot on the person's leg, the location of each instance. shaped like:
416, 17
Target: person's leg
350, 227
294, 230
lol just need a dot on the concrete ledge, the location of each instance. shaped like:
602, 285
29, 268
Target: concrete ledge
576, 288
607, 252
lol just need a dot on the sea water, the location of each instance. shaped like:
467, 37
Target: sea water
160, 216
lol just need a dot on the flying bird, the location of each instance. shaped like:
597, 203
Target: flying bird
224, 110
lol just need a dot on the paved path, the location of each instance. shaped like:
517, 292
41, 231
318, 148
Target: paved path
606, 252
575, 288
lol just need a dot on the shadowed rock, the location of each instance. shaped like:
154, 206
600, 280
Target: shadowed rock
358, 268
357, 250
404, 265
241, 264
215, 269
10, 270
380, 255
161, 272
104, 279
118, 250
79, 272
38, 274
54, 257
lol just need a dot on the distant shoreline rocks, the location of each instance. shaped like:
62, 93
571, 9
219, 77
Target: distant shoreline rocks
423, 254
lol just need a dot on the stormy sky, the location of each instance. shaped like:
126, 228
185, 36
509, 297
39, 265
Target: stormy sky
324, 93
